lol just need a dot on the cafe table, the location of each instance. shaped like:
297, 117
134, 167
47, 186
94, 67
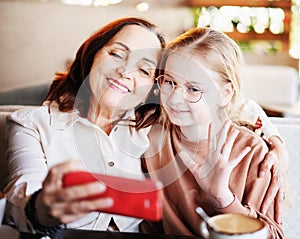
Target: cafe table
86, 234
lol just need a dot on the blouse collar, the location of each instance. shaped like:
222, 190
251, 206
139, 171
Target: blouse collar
63, 120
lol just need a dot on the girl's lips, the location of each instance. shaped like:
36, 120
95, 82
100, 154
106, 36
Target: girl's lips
115, 84
177, 111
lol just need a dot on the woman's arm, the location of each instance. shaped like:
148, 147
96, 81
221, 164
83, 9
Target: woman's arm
29, 173
26, 165
275, 161
56, 205
256, 189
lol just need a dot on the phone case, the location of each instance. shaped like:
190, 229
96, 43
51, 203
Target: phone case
134, 198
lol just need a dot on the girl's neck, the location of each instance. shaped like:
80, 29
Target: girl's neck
195, 133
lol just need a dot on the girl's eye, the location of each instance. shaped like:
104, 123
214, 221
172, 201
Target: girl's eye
193, 88
168, 82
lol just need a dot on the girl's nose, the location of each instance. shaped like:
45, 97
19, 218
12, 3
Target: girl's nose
177, 96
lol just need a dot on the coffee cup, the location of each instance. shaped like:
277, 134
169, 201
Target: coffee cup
2, 206
237, 226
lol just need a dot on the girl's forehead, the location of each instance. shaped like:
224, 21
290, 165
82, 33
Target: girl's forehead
186, 68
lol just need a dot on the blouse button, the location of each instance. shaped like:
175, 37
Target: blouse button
111, 164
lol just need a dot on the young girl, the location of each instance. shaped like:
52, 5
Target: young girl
199, 151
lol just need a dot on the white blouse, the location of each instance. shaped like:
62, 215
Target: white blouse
251, 110
43, 137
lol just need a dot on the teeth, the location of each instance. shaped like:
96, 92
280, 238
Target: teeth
118, 86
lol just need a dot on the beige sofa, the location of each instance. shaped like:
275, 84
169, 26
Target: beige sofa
275, 88
290, 131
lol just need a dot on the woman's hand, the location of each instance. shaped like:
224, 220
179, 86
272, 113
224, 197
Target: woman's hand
213, 176
58, 205
276, 161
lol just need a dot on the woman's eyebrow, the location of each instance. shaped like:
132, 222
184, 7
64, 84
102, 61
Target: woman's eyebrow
128, 49
123, 45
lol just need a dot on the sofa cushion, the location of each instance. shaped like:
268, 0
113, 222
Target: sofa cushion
270, 84
33, 95
289, 129
3, 144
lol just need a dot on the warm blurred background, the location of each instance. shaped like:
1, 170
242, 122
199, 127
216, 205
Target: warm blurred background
40, 37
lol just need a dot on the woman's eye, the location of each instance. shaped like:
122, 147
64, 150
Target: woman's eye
145, 71
117, 55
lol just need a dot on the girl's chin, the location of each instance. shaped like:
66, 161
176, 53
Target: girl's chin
183, 122
178, 122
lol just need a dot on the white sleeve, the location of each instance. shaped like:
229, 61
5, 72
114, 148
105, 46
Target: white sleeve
251, 110
27, 168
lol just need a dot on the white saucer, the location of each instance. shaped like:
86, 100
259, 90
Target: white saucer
7, 232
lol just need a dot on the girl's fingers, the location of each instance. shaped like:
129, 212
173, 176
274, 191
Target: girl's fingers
228, 145
212, 140
199, 171
223, 136
188, 161
240, 156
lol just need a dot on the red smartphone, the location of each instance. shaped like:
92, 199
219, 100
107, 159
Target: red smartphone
132, 197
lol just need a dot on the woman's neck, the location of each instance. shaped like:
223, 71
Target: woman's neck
103, 117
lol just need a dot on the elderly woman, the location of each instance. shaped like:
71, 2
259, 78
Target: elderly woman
90, 114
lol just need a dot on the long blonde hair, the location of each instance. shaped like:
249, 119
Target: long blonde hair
221, 54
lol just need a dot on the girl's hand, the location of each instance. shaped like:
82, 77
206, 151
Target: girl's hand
58, 205
276, 161
213, 176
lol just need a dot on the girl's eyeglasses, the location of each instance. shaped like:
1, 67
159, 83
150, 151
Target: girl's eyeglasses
191, 92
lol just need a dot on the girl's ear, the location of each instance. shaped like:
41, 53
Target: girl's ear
226, 93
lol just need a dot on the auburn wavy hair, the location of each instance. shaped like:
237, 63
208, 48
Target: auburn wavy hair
70, 89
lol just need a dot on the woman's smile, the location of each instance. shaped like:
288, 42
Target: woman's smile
118, 86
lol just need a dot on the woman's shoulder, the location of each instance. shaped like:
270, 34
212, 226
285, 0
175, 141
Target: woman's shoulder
250, 138
258, 150
29, 115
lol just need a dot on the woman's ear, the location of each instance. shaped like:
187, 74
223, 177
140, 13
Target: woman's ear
226, 93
